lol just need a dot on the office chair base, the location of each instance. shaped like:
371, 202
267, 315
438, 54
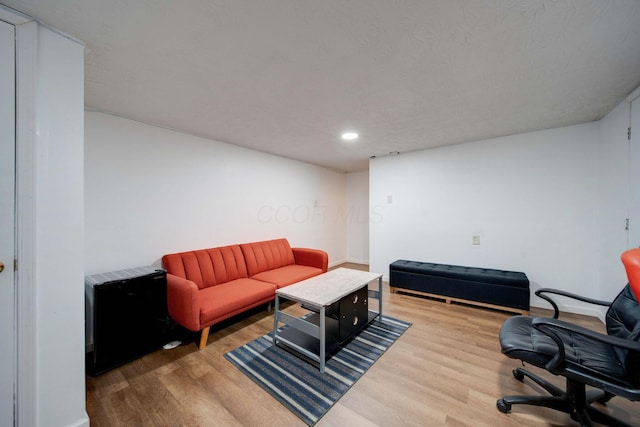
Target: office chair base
575, 401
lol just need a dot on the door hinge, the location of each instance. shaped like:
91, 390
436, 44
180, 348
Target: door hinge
629, 133
626, 224
15, 264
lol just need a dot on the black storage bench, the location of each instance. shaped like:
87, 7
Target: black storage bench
498, 289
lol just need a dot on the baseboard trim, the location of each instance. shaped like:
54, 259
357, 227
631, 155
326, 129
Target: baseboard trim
336, 263
347, 261
569, 308
358, 261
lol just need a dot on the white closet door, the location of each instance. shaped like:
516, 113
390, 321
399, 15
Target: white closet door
634, 176
7, 223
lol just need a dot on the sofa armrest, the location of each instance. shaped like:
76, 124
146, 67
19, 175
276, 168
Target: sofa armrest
183, 302
312, 258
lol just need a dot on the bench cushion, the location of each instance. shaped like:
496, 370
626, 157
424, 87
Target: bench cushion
482, 275
489, 286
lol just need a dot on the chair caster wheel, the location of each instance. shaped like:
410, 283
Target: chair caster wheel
518, 375
503, 406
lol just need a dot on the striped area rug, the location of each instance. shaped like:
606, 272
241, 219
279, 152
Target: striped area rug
298, 384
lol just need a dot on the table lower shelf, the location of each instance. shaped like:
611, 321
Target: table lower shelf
308, 345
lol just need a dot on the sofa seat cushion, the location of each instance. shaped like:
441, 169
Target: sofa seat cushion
228, 299
288, 275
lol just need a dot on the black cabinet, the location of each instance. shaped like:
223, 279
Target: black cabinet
352, 313
126, 316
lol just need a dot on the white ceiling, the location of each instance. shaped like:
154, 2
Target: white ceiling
288, 76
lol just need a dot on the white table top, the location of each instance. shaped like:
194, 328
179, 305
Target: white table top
329, 287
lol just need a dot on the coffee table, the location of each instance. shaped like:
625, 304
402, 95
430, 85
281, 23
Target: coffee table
338, 301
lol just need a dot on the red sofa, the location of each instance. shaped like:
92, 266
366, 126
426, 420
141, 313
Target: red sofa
207, 286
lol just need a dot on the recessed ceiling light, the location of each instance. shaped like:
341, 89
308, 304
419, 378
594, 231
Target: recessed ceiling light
349, 136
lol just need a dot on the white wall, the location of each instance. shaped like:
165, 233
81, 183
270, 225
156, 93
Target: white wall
59, 232
612, 200
633, 209
151, 191
357, 217
530, 198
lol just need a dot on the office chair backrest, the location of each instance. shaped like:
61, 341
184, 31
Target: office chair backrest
631, 261
623, 316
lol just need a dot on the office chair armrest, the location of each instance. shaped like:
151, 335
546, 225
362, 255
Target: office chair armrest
550, 326
556, 312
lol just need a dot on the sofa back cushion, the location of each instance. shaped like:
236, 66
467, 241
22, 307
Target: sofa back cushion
267, 255
207, 267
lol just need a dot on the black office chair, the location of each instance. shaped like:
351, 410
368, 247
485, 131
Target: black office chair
609, 363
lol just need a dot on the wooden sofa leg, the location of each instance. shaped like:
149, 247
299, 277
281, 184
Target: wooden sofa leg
203, 338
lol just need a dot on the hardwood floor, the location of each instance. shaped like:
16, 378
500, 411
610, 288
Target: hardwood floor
446, 370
